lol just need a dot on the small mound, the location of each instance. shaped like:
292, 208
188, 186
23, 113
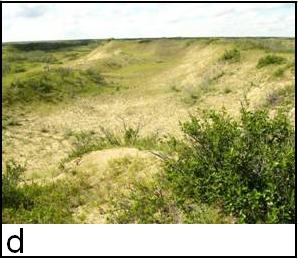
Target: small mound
110, 174
100, 159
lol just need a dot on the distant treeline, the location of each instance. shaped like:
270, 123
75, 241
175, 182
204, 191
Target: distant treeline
49, 45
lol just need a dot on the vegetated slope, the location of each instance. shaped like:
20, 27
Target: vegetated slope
62, 102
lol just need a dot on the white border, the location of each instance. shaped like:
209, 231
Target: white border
153, 240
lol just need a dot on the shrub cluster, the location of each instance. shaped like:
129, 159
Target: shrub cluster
51, 86
8, 120
50, 46
269, 60
284, 97
12, 176
231, 56
246, 166
24, 202
31, 56
268, 45
154, 201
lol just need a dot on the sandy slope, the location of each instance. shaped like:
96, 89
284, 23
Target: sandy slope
145, 96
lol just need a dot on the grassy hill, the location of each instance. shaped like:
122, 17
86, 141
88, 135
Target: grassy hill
91, 130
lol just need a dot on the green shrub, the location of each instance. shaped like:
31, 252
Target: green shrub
6, 68
231, 56
272, 99
85, 142
154, 202
175, 88
49, 46
247, 166
268, 45
14, 56
284, 97
145, 41
19, 69
146, 203
227, 90
11, 178
24, 202
270, 60
279, 72
8, 121
94, 75
291, 66
51, 86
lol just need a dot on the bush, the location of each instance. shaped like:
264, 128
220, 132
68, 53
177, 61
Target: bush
231, 55
279, 72
11, 178
268, 45
246, 166
85, 142
15, 56
51, 86
24, 202
94, 75
6, 68
284, 97
8, 120
146, 203
49, 46
19, 69
272, 99
145, 41
270, 60
153, 202
227, 90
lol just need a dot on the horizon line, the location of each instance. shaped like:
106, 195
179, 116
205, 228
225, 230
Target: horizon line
148, 38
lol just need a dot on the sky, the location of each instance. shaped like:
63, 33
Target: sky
59, 21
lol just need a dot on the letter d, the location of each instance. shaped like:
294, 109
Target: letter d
20, 240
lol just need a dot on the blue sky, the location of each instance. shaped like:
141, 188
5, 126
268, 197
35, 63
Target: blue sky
53, 21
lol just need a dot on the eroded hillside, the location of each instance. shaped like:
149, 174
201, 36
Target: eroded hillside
101, 110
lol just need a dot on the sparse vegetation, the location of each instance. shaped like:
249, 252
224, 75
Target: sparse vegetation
211, 77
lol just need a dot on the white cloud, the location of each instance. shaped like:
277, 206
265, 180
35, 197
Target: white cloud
44, 21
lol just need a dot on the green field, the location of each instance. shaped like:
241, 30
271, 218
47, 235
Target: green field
170, 130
